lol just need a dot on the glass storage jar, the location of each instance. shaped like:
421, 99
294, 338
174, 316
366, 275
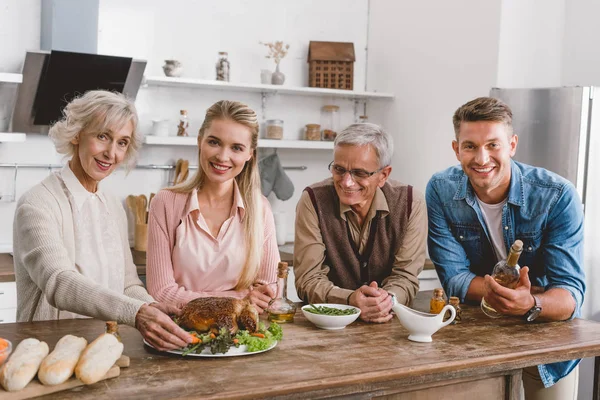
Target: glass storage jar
330, 122
222, 67
313, 132
274, 129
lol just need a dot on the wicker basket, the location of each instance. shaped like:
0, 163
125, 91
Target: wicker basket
331, 65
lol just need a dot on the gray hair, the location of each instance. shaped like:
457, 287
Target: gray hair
95, 111
367, 133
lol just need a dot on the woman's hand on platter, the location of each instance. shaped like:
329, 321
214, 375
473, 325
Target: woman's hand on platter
260, 296
155, 325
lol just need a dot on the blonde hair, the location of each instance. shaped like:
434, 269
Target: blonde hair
96, 111
248, 182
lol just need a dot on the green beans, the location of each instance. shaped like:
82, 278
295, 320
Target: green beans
324, 310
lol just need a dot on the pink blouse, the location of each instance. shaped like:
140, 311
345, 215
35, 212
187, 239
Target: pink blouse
184, 260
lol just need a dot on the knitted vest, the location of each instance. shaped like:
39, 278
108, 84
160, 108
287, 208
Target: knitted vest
349, 269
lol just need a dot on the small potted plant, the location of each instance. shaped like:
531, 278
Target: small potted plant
277, 50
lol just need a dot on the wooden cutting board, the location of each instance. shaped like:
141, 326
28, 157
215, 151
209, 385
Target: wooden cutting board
35, 388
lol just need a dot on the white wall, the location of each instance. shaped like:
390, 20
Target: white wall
19, 31
531, 43
435, 56
581, 58
194, 32
581, 66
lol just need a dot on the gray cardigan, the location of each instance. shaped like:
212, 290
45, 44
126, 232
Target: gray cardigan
44, 258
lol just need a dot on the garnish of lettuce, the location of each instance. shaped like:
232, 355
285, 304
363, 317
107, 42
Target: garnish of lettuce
253, 343
224, 341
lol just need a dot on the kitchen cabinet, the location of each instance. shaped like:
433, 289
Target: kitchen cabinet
8, 302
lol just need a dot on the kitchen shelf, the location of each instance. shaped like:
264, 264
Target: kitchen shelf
12, 137
6, 77
171, 140
295, 144
259, 88
262, 143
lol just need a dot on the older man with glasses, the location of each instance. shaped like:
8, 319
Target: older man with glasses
360, 237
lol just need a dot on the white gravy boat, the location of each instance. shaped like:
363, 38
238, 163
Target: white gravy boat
422, 325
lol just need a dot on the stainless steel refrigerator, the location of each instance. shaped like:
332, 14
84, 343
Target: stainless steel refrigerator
559, 129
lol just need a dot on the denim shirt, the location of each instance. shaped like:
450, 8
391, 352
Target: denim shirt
543, 210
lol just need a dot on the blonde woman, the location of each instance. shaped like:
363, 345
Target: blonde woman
215, 234
71, 250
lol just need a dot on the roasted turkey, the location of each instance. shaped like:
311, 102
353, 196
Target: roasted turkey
210, 314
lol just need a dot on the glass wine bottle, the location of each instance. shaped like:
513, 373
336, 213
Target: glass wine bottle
280, 309
506, 273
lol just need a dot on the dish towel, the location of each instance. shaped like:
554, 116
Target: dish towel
274, 179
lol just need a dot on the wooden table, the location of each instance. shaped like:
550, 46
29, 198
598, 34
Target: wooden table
478, 358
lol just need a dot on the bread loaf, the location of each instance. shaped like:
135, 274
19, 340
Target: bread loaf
59, 365
97, 358
22, 366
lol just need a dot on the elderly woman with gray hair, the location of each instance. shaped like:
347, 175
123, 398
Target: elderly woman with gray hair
360, 237
71, 248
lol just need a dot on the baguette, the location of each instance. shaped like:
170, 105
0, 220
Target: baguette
59, 365
98, 357
22, 366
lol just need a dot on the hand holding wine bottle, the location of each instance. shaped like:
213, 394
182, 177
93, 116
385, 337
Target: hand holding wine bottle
508, 290
508, 301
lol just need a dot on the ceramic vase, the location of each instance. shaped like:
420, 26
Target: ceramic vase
265, 76
278, 77
173, 68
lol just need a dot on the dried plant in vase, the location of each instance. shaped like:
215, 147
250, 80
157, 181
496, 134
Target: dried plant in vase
277, 50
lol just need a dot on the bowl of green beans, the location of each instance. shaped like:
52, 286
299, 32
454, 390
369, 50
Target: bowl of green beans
330, 316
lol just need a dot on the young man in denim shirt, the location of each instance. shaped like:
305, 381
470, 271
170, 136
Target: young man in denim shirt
478, 209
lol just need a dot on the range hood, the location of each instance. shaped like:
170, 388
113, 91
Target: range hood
34, 70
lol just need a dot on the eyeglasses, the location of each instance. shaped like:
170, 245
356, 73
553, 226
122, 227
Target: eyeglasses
355, 173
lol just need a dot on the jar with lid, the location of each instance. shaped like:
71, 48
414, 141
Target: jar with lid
437, 302
274, 129
455, 302
330, 122
363, 119
184, 123
222, 67
313, 132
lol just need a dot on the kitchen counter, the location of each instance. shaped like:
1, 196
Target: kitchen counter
477, 358
7, 269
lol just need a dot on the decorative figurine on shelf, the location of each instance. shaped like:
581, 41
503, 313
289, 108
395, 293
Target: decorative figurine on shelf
172, 68
277, 50
184, 124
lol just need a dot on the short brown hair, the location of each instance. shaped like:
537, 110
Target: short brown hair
482, 109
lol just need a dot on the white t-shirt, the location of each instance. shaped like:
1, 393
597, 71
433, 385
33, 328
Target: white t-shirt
492, 214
